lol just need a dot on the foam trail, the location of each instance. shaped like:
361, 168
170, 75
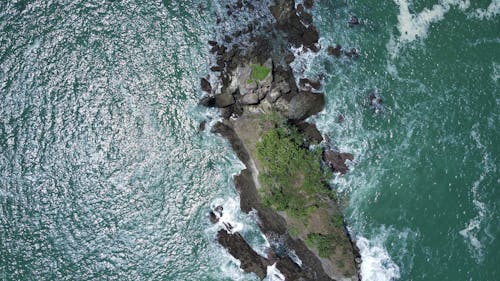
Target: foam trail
415, 26
473, 228
376, 263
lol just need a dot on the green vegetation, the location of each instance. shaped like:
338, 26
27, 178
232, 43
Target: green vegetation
292, 177
337, 221
259, 72
325, 244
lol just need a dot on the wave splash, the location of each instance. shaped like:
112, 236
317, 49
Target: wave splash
377, 264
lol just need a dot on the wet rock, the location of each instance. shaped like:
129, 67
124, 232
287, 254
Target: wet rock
375, 101
205, 85
216, 68
208, 101
353, 53
213, 218
250, 98
202, 125
308, 4
224, 100
334, 51
250, 261
337, 160
308, 84
353, 21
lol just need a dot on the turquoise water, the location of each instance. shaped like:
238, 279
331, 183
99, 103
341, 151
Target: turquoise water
104, 175
424, 191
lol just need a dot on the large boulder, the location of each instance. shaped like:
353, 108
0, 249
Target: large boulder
305, 104
250, 98
224, 100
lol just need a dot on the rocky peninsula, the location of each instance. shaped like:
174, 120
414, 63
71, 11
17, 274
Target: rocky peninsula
288, 162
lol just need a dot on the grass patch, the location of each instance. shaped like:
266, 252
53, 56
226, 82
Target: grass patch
259, 72
325, 244
292, 178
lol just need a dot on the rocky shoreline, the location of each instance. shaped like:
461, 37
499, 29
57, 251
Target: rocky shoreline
251, 79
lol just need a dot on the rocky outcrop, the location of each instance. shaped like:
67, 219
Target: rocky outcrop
239, 248
254, 78
337, 161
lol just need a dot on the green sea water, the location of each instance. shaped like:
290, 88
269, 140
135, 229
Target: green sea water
105, 176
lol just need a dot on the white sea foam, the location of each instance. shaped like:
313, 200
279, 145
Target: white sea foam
230, 269
491, 11
273, 274
496, 72
376, 264
415, 26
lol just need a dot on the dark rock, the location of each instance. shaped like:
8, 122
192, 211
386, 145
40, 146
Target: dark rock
219, 210
216, 68
337, 160
202, 125
239, 248
205, 85
335, 51
352, 53
224, 100
214, 49
239, 4
375, 101
221, 50
212, 43
226, 112
310, 132
353, 21
340, 119
305, 83
308, 4
208, 101
213, 218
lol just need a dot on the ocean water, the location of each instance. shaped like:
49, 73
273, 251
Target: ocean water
105, 176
